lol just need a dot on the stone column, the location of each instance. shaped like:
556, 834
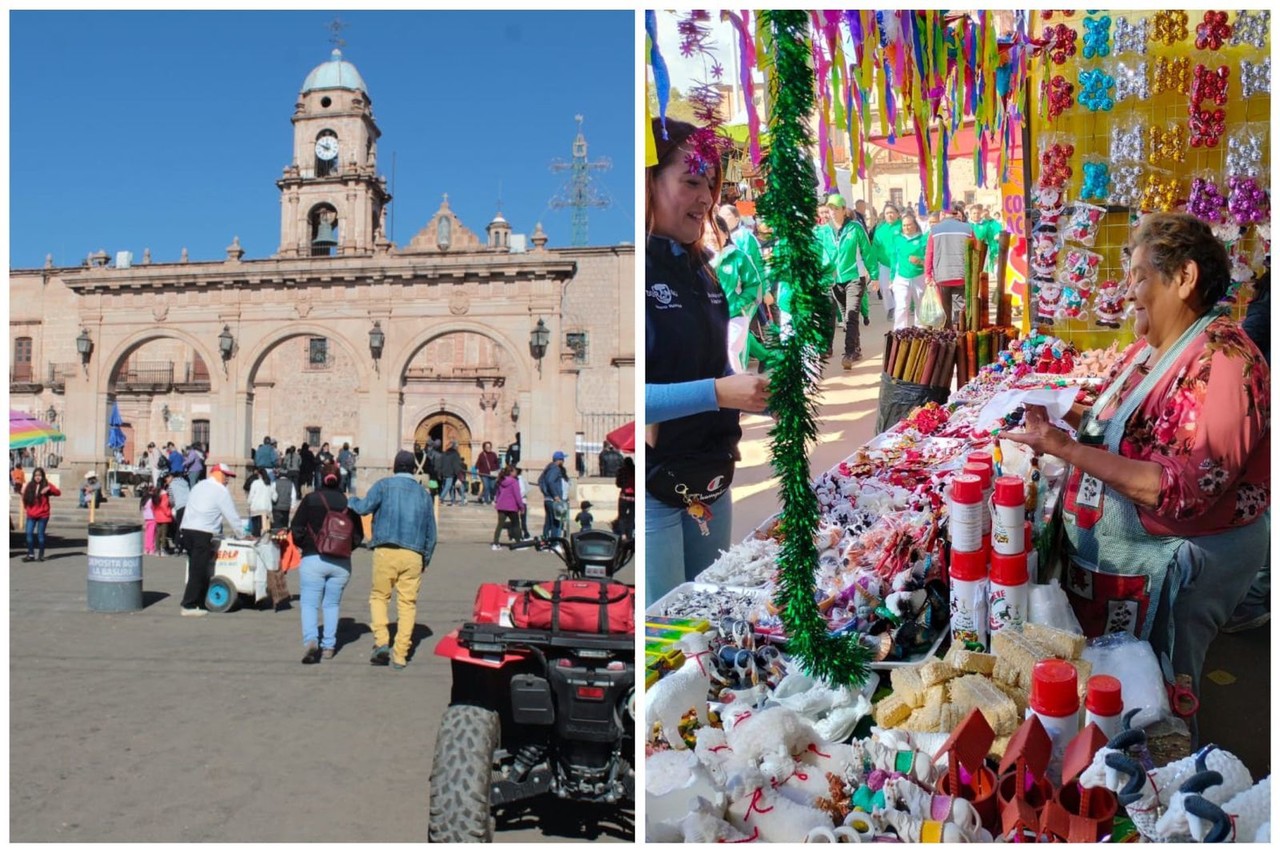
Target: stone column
84, 419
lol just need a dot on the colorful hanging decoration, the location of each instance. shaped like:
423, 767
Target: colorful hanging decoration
1169, 27
1171, 75
1206, 201
1059, 96
1255, 77
1129, 36
1096, 88
1132, 81
1251, 28
1213, 31
1247, 202
1097, 34
1059, 43
1245, 149
788, 206
1168, 146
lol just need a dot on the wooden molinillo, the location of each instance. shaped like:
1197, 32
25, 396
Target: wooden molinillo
921, 356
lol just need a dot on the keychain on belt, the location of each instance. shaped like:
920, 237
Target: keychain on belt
699, 511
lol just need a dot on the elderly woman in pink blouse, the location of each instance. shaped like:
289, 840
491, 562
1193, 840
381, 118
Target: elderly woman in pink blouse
1166, 509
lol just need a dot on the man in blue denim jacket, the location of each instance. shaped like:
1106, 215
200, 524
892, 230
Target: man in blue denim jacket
404, 537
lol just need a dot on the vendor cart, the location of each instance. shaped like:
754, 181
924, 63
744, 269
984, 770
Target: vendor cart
240, 568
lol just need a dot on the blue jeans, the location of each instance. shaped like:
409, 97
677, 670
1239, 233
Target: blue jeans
35, 529
550, 526
675, 549
321, 582
490, 482
446, 491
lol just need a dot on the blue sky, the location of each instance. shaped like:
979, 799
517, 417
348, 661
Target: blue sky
169, 129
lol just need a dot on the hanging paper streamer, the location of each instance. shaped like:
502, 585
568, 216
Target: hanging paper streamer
747, 47
788, 206
661, 79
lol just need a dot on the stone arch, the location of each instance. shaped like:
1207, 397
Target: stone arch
132, 343
404, 356
450, 424
295, 330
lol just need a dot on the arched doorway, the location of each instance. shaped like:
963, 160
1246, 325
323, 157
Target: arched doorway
445, 427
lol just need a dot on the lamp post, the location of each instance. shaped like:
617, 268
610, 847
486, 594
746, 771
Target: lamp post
165, 413
515, 412
377, 340
539, 338
51, 416
226, 346
84, 346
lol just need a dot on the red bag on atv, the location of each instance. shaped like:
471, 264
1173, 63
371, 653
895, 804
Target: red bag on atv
581, 606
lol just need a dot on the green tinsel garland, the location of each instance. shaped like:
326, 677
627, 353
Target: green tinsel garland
789, 205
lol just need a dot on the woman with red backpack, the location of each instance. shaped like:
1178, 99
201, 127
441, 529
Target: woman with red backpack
327, 532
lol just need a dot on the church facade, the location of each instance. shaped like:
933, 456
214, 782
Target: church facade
340, 336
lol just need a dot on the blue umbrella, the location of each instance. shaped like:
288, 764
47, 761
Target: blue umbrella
115, 436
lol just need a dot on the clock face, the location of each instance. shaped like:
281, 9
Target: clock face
327, 147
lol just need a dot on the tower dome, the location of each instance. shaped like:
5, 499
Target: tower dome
337, 73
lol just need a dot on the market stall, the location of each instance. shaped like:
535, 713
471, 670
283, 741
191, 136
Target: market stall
892, 657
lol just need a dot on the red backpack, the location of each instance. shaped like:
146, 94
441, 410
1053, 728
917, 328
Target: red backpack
336, 533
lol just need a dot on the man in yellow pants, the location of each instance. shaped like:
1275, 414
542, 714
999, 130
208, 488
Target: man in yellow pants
404, 537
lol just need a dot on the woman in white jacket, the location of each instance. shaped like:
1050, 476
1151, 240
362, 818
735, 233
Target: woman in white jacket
262, 498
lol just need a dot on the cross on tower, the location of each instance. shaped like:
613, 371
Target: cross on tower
335, 28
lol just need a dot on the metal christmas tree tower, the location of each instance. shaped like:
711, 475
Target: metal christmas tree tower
581, 190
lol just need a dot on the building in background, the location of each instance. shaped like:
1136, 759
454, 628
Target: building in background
340, 335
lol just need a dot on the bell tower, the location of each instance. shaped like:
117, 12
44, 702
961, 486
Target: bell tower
332, 201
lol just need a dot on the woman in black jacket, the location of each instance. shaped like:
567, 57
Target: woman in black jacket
322, 577
307, 468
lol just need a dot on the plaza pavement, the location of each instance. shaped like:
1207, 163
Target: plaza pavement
153, 727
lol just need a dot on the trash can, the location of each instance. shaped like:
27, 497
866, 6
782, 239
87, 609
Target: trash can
115, 567
898, 398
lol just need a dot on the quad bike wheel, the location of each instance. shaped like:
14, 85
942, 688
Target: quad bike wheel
461, 775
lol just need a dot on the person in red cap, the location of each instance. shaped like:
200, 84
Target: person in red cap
208, 505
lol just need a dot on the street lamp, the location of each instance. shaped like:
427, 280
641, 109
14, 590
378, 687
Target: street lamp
84, 346
226, 345
165, 413
377, 340
539, 338
515, 412
51, 416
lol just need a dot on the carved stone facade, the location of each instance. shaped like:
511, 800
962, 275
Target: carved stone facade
456, 311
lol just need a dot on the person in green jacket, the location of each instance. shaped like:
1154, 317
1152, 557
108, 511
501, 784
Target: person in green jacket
907, 259
743, 285
987, 229
882, 240
746, 241
850, 257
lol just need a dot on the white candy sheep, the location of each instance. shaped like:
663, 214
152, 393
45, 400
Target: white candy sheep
767, 815
1147, 795
770, 740
1205, 785
675, 694
702, 825
1246, 817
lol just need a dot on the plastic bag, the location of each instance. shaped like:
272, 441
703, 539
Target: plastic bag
1133, 662
1049, 606
930, 313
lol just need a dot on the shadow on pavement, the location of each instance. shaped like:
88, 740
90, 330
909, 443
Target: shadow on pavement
151, 596
561, 819
420, 633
